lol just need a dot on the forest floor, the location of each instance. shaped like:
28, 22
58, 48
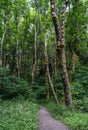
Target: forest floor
47, 122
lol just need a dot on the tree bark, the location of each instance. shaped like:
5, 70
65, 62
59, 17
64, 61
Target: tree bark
61, 50
36, 29
2, 40
47, 86
35, 57
17, 59
48, 72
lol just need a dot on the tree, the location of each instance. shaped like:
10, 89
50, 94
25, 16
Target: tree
1, 46
48, 77
76, 33
59, 30
36, 29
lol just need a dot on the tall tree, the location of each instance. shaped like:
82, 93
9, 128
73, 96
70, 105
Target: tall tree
60, 39
36, 29
1, 45
48, 76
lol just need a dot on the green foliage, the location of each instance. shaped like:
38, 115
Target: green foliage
56, 109
18, 115
18, 19
81, 104
39, 91
76, 31
11, 86
75, 120
57, 81
80, 88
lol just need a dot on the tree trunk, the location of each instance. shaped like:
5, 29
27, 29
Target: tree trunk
64, 76
48, 73
2, 40
36, 29
17, 59
47, 86
61, 50
35, 57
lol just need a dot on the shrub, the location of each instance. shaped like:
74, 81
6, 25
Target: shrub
39, 91
80, 88
11, 87
80, 84
81, 104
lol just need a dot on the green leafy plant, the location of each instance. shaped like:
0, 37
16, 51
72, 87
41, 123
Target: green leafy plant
11, 87
80, 88
18, 115
74, 119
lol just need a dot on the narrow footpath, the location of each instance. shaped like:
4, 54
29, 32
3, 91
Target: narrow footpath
47, 122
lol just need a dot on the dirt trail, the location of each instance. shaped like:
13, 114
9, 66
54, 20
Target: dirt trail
47, 122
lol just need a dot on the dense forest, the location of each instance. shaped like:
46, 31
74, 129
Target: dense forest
43, 62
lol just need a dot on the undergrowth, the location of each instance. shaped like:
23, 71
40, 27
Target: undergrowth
74, 119
18, 115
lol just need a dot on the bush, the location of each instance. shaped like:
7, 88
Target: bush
80, 84
80, 88
39, 91
11, 87
81, 104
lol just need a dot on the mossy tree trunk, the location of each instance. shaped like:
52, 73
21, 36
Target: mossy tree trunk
35, 57
48, 76
60, 39
1, 46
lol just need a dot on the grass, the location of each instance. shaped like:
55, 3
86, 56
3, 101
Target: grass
74, 119
18, 115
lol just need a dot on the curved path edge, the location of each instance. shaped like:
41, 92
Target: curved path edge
47, 122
